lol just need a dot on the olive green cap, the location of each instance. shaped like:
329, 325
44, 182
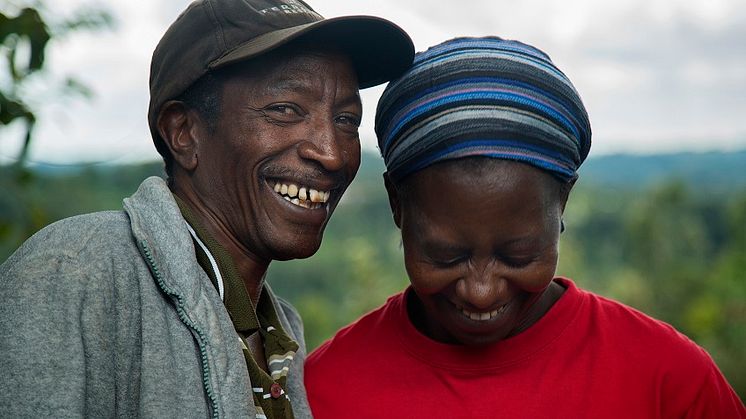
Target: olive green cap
211, 34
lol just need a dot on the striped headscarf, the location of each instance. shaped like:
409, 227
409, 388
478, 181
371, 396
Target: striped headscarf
482, 97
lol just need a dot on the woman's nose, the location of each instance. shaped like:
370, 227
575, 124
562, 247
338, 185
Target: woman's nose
481, 288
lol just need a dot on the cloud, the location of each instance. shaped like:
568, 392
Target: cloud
655, 74
661, 81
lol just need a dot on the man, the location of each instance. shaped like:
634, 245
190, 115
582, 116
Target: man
161, 310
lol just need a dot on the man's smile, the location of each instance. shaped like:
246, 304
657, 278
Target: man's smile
301, 195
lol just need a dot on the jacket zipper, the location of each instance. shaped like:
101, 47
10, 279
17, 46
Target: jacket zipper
184, 319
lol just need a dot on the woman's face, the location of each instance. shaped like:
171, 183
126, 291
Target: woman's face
480, 240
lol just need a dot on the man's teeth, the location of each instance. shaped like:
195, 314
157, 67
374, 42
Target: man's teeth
302, 196
487, 315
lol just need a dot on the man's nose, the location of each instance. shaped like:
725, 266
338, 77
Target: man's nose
323, 147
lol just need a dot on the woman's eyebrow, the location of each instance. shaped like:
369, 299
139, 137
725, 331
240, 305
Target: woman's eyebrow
441, 247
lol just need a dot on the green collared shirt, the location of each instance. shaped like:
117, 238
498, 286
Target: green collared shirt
270, 398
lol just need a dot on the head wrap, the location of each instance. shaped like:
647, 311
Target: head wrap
482, 97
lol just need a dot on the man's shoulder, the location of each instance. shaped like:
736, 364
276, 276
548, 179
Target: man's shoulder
86, 235
74, 254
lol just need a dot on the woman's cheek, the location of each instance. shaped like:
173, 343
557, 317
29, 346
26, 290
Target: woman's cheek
427, 279
537, 278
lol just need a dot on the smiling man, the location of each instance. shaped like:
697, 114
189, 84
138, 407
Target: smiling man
161, 310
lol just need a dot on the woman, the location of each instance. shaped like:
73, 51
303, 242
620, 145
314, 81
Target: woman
482, 139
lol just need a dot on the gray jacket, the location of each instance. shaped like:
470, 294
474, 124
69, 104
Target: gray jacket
110, 315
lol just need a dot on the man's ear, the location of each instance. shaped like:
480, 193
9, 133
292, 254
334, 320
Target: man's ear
178, 129
394, 201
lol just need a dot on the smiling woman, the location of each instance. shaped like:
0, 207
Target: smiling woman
481, 260
482, 139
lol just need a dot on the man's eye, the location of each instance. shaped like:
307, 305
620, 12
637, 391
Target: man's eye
350, 120
282, 113
283, 109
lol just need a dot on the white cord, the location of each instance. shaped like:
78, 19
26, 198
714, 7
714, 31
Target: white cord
221, 288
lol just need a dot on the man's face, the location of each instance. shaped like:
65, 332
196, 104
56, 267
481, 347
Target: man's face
285, 148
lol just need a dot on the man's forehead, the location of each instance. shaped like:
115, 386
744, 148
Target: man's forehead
299, 57
295, 71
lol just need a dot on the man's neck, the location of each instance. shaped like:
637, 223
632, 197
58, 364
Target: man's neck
251, 268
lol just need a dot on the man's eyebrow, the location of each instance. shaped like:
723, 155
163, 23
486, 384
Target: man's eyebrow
285, 84
289, 85
351, 99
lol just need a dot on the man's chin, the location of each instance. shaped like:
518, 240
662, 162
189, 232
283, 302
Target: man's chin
296, 250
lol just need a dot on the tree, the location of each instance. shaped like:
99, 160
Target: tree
25, 35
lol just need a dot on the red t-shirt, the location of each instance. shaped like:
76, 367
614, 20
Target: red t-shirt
588, 357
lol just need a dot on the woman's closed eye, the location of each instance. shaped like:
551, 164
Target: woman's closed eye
518, 261
447, 261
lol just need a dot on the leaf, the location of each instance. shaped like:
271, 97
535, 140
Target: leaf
31, 25
29, 32
12, 109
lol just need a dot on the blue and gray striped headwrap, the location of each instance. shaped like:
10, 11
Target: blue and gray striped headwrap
482, 97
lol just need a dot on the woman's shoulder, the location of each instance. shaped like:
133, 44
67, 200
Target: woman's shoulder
358, 339
631, 347
640, 338
604, 313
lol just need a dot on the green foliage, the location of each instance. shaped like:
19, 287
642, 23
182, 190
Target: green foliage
31, 199
29, 27
671, 248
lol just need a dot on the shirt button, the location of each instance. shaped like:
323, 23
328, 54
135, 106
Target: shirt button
275, 390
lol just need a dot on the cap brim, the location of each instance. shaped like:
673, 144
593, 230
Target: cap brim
379, 49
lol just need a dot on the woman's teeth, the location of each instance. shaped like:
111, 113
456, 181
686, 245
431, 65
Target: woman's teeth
302, 196
487, 315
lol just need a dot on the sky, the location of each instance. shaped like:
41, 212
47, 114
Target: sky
655, 75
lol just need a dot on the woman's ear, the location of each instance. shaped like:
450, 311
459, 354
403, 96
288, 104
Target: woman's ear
394, 201
565, 192
176, 125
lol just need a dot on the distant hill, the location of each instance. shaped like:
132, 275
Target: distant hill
716, 171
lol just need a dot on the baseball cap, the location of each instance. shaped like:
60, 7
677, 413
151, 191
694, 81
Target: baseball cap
211, 34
